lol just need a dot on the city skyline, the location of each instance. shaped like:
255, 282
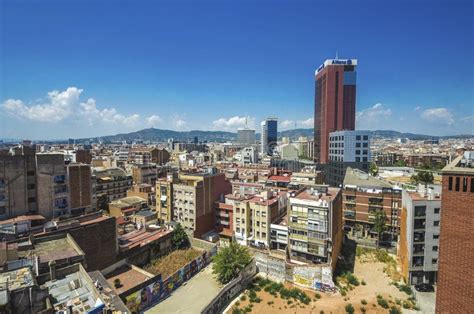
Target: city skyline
154, 69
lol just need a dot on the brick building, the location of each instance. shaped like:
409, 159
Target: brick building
80, 188
455, 290
363, 197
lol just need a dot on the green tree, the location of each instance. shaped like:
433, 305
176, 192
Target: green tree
179, 238
425, 177
379, 224
373, 170
400, 163
229, 261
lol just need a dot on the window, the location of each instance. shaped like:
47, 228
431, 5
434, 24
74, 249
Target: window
457, 184
30, 173
450, 184
435, 236
258, 223
357, 144
358, 137
464, 184
436, 210
357, 159
435, 248
365, 152
258, 233
31, 186
366, 137
238, 230
366, 144
436, 223
358, 152
434, 261
264, 234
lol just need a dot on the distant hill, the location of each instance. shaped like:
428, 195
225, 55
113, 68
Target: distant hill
159, 135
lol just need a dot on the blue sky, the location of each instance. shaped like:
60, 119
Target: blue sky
87, 68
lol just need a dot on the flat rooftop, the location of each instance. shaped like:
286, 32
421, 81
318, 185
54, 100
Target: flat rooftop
74, 289
17, 279
316, 196
129, 277
53, 250
462, 164
358, 178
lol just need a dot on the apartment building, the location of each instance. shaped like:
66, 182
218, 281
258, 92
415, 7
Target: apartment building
52, 185
315, 225
111, 183
363, 197
18, 194
455, 290
419, 235
164, 199
146, 155
145, 191
253, 215
80, 188
307, 177
127, 206
190, 200
144, 173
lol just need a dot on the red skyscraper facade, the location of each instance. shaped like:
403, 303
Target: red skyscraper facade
334, 103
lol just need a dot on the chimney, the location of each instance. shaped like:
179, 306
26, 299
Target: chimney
52, 270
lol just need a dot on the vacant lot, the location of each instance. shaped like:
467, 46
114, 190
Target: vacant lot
169, 264
368, 289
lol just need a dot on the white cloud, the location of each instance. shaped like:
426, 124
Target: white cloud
374, 117
153, 120
60, 105
286, 124
180, 123
233, 123
308, 123
290, 124
441, 115
417, 108
376, 111
108, 115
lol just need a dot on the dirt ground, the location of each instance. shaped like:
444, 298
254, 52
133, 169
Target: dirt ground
377, 282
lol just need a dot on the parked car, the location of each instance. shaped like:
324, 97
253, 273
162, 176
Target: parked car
424, 287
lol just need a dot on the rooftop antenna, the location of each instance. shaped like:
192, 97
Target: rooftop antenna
336, 55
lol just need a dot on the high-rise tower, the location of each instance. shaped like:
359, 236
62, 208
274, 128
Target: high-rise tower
334, 102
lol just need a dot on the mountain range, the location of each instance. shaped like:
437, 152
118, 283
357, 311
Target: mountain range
159, 135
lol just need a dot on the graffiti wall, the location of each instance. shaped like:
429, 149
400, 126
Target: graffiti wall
157, 289
314, 277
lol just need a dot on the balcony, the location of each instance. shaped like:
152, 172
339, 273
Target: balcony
350, 200
349, 214
376, 202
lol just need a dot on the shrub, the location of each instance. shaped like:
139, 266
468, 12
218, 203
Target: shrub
318, 296
252, 294
270, 302
406, 304
289, 302
395, 310
321, 312
363, 301
236, 310
237, 303
363, 310
406, 289
243, 298
349, 309
117, 283
382, 302
363, 283
416, 308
